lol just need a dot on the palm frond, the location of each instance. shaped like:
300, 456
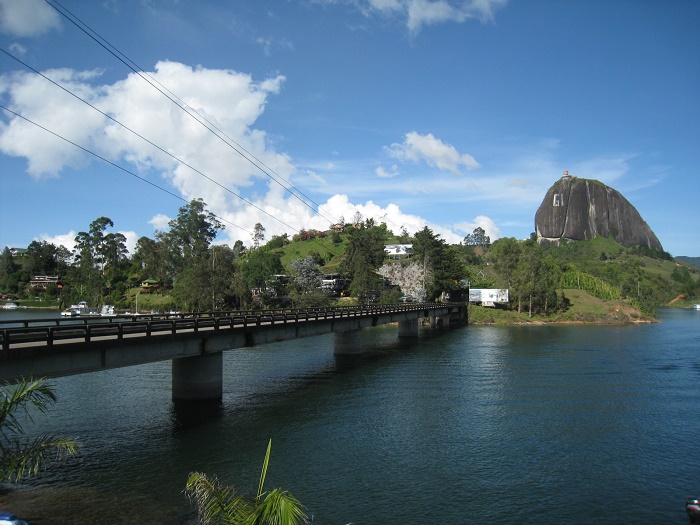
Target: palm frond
24, 458
219, 504
216, 503
19, 397
278, 508
263, 474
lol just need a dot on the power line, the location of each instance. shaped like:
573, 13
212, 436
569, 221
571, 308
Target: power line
57, 135
149, 141
86, 150
212, 128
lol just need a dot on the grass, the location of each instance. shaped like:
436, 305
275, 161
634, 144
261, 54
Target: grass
332, 253
148, 301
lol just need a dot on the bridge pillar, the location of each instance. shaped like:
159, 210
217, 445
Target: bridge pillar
348, 343
408, 328
198, 378
446, 321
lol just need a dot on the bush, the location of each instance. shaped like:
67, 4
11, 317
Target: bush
390, 296
312, 299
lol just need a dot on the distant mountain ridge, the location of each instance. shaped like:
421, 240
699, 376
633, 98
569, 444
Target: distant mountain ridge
578, 209
694, 261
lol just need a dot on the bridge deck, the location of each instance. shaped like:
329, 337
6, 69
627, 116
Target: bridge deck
49, 332
55, 347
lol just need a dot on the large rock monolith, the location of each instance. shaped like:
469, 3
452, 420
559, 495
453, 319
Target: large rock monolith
578, 209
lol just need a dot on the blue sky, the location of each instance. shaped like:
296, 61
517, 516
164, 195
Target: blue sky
451, 114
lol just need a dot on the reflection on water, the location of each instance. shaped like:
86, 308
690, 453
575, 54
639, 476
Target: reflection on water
452, 425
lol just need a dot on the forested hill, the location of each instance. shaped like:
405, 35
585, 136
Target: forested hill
646, 278
182, 268
694, 261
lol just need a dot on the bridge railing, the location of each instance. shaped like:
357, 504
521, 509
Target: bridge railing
90, 328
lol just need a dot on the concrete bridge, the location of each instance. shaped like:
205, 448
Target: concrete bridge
194, 342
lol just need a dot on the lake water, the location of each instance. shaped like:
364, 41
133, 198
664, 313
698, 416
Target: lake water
476, 425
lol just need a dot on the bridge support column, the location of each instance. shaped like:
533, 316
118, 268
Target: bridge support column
348, 343
446, 321
433, 321
408, 328
198, 378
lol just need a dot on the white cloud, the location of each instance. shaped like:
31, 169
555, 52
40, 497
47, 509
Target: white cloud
483, 222
383, 174
160, 222
18, 50
131, 239
607, 168
433, 151
66, 239
234, 102
37, 99
27, 18
421, 13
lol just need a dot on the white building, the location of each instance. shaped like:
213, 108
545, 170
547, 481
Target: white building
398, 251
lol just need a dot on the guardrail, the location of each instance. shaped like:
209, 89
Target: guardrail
47, 332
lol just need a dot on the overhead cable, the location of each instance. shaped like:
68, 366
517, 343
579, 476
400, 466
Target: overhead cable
202, 120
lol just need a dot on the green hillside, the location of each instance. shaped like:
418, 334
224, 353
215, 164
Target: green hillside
693, 261
199, 276
601, 267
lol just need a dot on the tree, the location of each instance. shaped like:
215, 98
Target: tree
277, 241
97, 249
23, 457
363, 257
190, 235
357, 219
477, 238
308, 280
259, 270
9, 272
307, 275
217, 503
89, 270
44, 258
113, 252
504, 255
238, 248
211, 284
258, 235
442, 264
149, 259
531, 276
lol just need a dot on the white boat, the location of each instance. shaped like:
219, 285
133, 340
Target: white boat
107, 311
11, 306
81, 308
696, 306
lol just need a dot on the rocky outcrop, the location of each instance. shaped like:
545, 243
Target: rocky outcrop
579, 209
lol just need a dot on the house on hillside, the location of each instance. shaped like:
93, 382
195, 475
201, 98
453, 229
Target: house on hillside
398, 251
150, 286
39, 283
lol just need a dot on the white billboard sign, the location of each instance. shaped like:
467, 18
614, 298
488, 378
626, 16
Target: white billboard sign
488, 295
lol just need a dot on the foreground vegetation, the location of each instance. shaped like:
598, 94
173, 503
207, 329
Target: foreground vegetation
218, 503
191, 273
22, 457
